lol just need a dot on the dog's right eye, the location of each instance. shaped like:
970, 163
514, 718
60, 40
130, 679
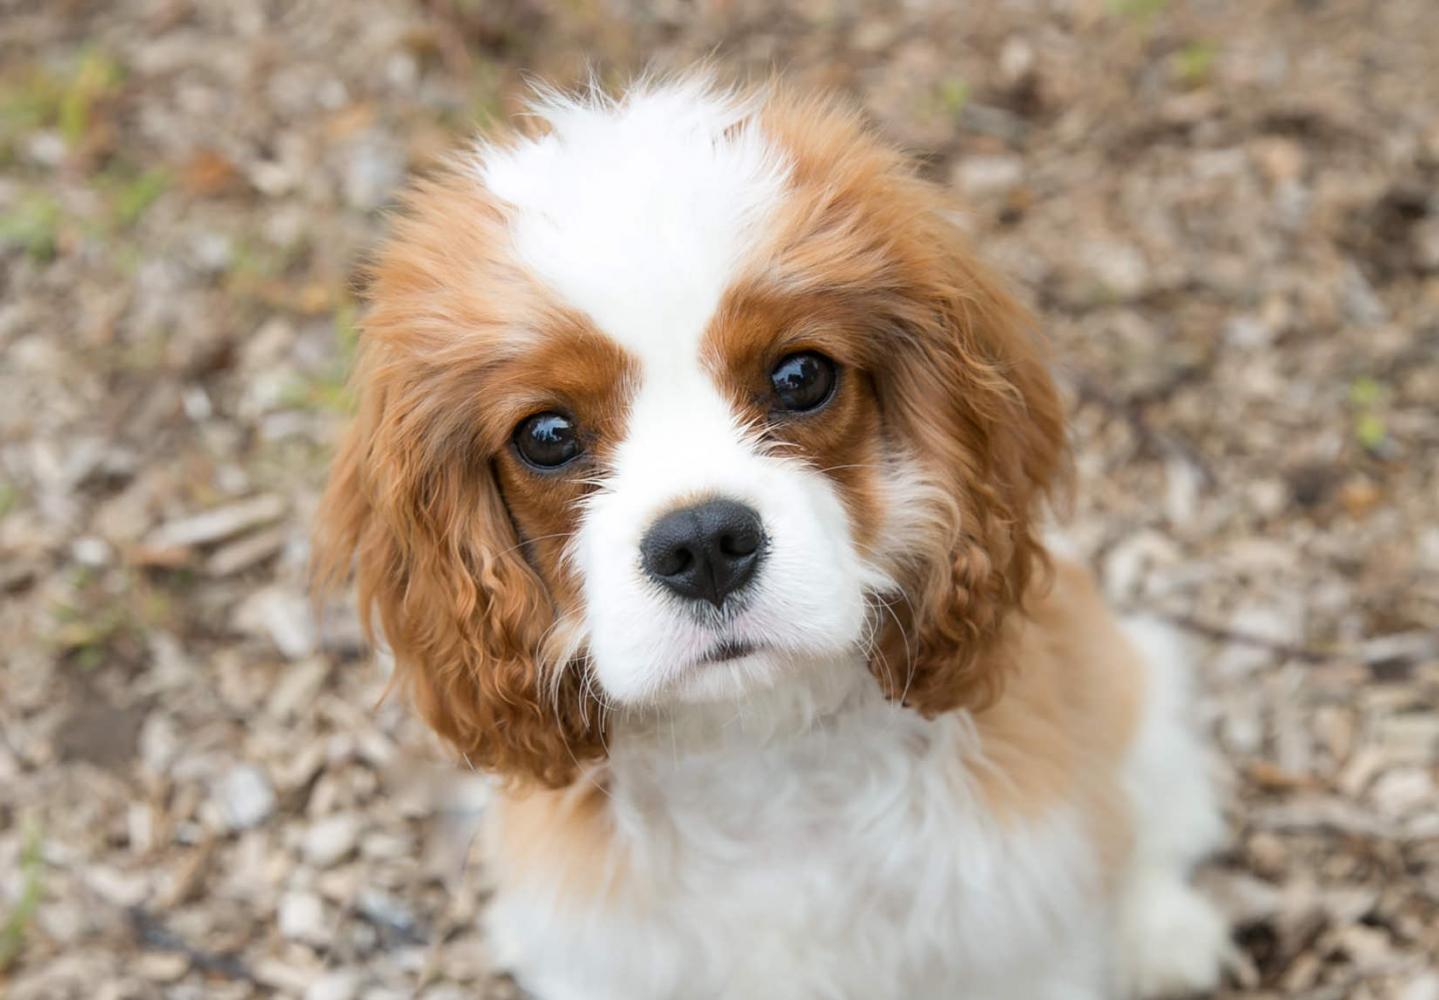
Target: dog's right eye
803, 381
548, 440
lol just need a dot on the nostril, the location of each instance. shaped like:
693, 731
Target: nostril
674, 561
739, 543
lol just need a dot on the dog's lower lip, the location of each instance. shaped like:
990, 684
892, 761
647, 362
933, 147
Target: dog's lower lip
729, 649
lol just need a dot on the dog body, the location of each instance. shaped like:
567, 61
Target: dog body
1035, 851
696, 484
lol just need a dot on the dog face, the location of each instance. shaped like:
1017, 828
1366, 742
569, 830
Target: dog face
674, 399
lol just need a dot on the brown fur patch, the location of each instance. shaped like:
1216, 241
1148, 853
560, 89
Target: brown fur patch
559, 837
1060, 733
960, 385
455, 544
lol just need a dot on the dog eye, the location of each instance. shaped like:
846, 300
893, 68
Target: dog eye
803, 381
547, 440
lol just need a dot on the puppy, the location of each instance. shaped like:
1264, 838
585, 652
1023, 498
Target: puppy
696, 486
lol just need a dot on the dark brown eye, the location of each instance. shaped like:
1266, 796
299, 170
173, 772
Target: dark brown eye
803, 381
547, 440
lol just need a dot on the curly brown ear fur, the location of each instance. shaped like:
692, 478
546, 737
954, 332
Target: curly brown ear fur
969, 395
962, 387
413, 504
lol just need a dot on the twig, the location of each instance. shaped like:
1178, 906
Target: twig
154, 934
1220, 633
1399, 648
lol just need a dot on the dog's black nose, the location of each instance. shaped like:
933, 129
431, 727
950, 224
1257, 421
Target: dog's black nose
707, 551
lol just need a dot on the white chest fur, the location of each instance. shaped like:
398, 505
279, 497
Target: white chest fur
853, 858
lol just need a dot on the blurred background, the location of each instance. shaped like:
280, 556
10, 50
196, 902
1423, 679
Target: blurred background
1225, 211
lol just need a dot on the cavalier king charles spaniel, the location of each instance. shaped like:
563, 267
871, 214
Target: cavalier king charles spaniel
697, 485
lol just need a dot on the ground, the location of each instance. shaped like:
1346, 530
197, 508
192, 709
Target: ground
1224, 211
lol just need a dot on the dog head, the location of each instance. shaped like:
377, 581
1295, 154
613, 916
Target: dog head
675, 396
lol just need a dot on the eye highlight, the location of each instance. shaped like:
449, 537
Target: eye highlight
548, 440
803, 381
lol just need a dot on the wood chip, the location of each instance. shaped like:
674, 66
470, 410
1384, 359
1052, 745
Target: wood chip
218, 524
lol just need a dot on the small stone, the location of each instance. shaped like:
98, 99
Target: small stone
211, 251
1359, 497
373, 168
1367, 947
1428, 548
46, 147
196, 403
1361, 303
1119, 268
1424, 986
159, 742
1132, 561
983, 176
445, 991
284, 978
297, 688
1403, 790
91, 551
1281, 159
337, 984
386, 911
388, 846
1183, 482
330, 840
1248, 332
268, 345
64, 921
301, 917
1016, 61
1410, 737
874, 34
245, 797
282, 615
1426, 244
161, 966
119, 888
1267, 853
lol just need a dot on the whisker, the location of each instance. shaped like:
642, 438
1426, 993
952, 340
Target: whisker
886, 605
873, 650
526, 541
909, 650
852, 465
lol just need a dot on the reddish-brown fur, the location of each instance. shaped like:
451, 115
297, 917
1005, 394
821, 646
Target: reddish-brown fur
960, 381
415, 500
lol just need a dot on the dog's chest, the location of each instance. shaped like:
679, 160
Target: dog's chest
856, 860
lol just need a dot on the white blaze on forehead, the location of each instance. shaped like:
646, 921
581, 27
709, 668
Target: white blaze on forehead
639, 211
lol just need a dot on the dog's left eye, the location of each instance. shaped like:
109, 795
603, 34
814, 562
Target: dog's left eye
547, 440
803, 381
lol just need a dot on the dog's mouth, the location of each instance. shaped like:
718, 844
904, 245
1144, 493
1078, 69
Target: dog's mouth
729, 649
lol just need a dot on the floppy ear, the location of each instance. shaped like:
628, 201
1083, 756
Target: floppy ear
968, 395
414, 507
437, 560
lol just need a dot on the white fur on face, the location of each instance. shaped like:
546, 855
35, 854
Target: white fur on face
806, 600
641, 214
